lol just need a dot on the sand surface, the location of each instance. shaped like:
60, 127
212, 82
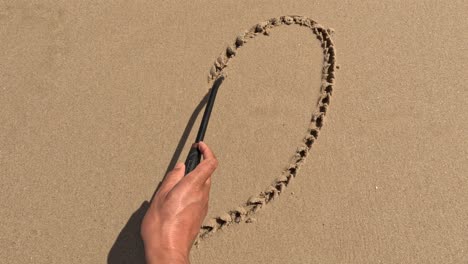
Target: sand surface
98, 101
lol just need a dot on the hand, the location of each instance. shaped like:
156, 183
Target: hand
177, 211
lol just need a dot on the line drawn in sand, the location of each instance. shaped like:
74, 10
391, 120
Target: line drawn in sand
244, 212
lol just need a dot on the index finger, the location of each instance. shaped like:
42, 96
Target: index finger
204, 170
206, 151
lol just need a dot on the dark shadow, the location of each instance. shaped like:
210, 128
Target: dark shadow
187, 130
128, 247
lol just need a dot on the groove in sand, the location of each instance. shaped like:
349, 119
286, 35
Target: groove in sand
244, 212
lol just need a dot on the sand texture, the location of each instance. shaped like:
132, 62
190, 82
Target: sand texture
340, 128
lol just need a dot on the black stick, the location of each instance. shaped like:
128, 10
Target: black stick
194, 155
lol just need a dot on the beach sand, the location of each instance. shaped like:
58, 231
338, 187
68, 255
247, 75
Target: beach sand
99, 100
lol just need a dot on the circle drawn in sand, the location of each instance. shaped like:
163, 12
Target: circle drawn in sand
244, 212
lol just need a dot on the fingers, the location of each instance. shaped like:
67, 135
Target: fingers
205, 150
202, 173
173, 177
207, 186
208, 182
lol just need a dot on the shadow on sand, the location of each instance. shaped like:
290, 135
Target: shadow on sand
128, 247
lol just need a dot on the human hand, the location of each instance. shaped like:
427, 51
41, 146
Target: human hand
177, 211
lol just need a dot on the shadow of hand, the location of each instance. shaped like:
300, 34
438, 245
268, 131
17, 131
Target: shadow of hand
128, 247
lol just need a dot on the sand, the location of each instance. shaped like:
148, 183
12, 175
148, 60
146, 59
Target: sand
98, 101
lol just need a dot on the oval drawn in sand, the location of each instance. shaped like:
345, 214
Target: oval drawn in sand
244, 212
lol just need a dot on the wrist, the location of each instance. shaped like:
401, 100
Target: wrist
165, 256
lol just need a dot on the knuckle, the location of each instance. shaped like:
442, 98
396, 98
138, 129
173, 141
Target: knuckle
213, 163
208, 182
198, 196
170, 196
209, 165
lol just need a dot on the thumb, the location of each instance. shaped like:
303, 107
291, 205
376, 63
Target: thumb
173, 177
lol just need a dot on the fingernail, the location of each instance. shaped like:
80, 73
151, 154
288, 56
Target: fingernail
178, 165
